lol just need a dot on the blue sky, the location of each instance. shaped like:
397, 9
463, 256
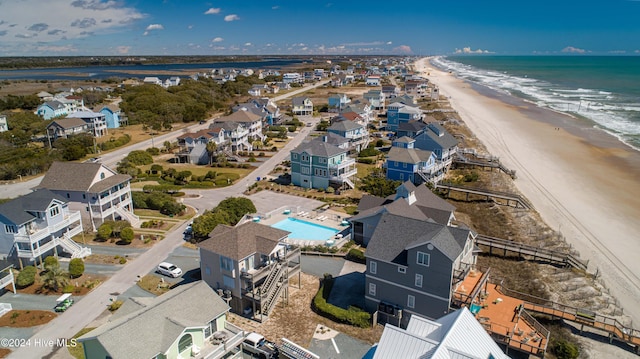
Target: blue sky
427, 27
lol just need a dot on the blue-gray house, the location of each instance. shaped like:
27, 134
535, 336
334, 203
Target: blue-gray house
436, 139
111, 114
406, 163
398, 113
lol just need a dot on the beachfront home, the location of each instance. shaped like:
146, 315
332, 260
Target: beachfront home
193, 146
413, 265
398, 113
187, 322
250, 264
438, 140
52, 109
236, 134
456, 335
37, 225
292, 77
301, 106
357, 134
373, 80
318, 164
338, 102
250, 121
112, 115
409, 200
3, 123
97, 121
96, 191
404, 162
376, 98
411, 129
66, 127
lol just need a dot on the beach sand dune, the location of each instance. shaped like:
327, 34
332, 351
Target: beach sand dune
582, 181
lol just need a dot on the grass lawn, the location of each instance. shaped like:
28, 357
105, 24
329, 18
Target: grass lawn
153, 284
78, 351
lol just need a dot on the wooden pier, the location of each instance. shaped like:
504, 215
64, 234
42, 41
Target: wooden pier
509, 199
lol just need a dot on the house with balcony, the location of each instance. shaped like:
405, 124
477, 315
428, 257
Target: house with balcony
187, 322
409, 201
112, 115
38, 225
373, 80
257, 90
411, 129
301, 106
414, 266
357, 134
67, 127
438, 140
249, 120
251, 264
263, 107
390, 91
456, 335
97, 121
362, 109
376, 98
172, 81
193, 146
52, 109
398, 113
236, 134
319, 164
404, 162
93, 189
337, 102
292, 77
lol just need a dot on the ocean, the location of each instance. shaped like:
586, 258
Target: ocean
604, 90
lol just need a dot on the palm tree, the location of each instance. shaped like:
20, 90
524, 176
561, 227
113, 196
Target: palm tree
55, 278
211, 149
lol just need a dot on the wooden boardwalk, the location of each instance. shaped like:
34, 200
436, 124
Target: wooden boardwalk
509, 198
530, 252
461, 161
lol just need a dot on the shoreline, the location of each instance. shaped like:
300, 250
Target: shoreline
581, 179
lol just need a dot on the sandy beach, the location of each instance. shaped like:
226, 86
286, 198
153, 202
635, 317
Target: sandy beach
582, 181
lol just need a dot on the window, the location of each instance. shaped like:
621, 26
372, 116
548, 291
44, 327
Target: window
294, 156
304, 158
186, 341
373, 267
226, 263
372, 289
323, 160
102, 175
54, 211
404, 165
228, 282
10, 228
411, 301
305, 170
402, 270
207, 270
68, 196
423, 259
419, 280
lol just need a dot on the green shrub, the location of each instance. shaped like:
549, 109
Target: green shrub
51, 262
366, 161
368, 152
76, 267
122, 260
353, 316
565, 350
69, 288
153, 151
356, 255
127, 235
26, 277
471, 177
115, 305
104, 231
139, 158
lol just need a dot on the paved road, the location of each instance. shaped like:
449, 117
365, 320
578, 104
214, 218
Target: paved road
94, 303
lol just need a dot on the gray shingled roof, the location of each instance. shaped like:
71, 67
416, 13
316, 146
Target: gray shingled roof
56, 105
157, 325
239, 242
344, 126
17, 209
240, 116
74, 176
426, 198
317, 147
445, 140
413, 126
70, 122
408, 155
298, 101
400, 208
336, 139
395, 234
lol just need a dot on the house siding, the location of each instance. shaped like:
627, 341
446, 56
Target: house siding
93, 349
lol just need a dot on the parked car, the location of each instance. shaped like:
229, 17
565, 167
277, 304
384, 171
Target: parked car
257, 344
63, 302
168, 269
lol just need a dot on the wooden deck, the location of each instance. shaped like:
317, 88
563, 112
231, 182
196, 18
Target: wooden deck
502, 316
503, 198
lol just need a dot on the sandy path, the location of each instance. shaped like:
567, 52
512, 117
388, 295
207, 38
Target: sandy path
583, 182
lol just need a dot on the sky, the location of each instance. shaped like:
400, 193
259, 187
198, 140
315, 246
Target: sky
310, 27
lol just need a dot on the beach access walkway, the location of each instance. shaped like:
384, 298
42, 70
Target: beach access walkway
506, 198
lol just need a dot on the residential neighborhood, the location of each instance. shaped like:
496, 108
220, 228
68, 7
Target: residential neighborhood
340, 167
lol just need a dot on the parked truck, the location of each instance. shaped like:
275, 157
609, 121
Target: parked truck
256, 344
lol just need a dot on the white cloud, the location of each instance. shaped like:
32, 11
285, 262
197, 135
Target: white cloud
217, 39
212, 11
403, 49
371, 43
275, 7
123, 49
389, 42
637, 52
574, 50
72, 20
152, 27
61, 49
232, 17
248, 44
468, 50
190, 27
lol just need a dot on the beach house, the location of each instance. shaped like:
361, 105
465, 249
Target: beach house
250, 264
251, 122
236, 135
357, 134
438, 140
189, 321
319, 164
193, 146
38, 225
376, 98
97, 121
66, 127
456, 335
337, 102
404, 162
112, 115
373, 80
52, 109
301, 106
398, 113
93, 189
411, 129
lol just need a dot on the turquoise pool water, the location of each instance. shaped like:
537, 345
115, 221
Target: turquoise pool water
305, 230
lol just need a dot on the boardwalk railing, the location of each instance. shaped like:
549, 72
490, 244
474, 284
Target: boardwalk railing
563, 259
494, 163
509, 197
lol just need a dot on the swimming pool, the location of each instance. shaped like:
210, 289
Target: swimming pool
305, 230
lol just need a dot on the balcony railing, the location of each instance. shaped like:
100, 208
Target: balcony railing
344, 163
36, 234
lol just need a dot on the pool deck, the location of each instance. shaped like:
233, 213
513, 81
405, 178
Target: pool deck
326, 218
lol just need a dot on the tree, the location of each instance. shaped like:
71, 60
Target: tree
54, 279
212, 147
104, 231
376, 184
139, 158
204, 224
26, 277
237, 207
51, 262
76, 267
127, 235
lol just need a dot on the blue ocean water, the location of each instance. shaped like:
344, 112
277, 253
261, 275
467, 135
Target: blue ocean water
601, 89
